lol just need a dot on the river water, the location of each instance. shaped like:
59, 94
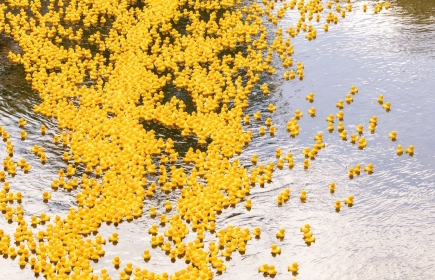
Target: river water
388, 233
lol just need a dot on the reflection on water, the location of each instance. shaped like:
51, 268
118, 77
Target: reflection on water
387, 234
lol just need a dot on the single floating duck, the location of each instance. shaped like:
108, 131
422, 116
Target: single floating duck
349, 200
332, 187
293, 268
312, 111
337, 205
310, 97
303, 195
369, 168
387, 106
340, 104
393, 135
275, 249
381, 99
353, 89
399, 150
410, 150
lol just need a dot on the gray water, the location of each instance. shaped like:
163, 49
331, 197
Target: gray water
387, 234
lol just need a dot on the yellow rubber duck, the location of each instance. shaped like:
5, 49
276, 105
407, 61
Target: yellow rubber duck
264, 268
312, 111
153, 211
248, 204
262, 131
254, 159
360, 129
349, 98
381, 99
399, 150
116, 261
257, 116
275, 249
330, 127
349, 200
153, 230
410, 150
340, 104
168, 206
129, 268
351, 172
306, 163
114, 237
272, 271
393, 135
362, 142
353, 89
387, 106
23, 134
343, 135
293, 268
43, 129
46, 195
256, 231
146, 255
280, 234
246, 119
340, 115
310, 97
369, 168
272, 130
337, 205
271, 108
332, 187
22, 122
330, 118
298, 114
353, 138
303, 195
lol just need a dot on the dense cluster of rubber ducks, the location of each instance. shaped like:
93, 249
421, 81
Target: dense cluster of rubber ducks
102, 128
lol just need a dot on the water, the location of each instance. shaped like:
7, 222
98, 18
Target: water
387, 234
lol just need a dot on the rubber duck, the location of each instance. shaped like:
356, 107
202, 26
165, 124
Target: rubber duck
248, 204
262, 131
374, 120
256, 231
163, 219
410, 150
257, 116
280, 234
310, 97
332, 187
349, 200
330, 127
272, 271
129, 268
264, 268
337, 205
153, 230
392, 135
271, 108
340, 115
298, 114
353, 138
353, 89
23, 134
306, 163
22, 122
272, 130
364, 7
146, 255
399, 150
330, 119
360, 129
294, 267
349, 98
357, 169
268, 122
114, 237
46, 195
381, 99
362, 142
343, 135
387, 106
43, 129
168, 206
254, 159
116, 261
312, 111
340, 104
153, 211
303, 195
351, 172
369, 168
